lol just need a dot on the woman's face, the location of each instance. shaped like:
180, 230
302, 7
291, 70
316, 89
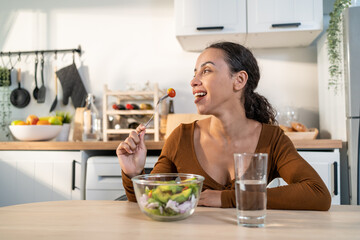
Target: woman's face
212, 84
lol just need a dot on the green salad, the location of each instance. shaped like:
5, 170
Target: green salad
170, 200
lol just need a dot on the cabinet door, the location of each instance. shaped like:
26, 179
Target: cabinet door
34, 176
7, 181
284, 15
195, 17
62, 179
326, 164
43, 178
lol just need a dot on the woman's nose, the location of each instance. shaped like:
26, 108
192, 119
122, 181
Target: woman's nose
195, 82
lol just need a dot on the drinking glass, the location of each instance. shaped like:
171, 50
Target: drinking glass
250, 188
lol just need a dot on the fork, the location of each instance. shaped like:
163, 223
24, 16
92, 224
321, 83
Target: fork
156, 108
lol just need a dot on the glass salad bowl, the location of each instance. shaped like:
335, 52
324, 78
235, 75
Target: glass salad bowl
168, 196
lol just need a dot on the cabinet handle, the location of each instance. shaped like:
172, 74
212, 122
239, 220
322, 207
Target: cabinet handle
210, 28
148, 170
73, 175
335, 164
281, 25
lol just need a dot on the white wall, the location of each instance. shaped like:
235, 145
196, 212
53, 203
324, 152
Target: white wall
134, 41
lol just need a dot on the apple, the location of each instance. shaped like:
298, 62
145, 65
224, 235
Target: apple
18, 122
55, 121
32, 120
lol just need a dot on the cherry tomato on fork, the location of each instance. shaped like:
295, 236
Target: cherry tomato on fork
171, 92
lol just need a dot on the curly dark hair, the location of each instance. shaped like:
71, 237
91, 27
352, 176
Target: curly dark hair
239, 58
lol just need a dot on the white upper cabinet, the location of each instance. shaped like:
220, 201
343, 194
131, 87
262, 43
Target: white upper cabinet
283, 23
284, 15
254, 23
196, 20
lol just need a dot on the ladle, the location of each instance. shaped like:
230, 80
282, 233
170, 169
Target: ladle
42, 90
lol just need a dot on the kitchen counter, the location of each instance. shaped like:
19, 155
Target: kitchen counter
124, 220
151, 145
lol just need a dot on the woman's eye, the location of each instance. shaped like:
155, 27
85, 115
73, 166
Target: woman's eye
206, 70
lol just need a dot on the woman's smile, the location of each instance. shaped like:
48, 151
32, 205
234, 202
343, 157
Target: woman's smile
199, 95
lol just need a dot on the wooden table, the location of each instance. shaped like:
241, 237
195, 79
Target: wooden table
123, 220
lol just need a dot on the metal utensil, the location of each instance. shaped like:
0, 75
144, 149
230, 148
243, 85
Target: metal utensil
178, 179
19, 97
157, 105
36, 90
42, 90
56, 90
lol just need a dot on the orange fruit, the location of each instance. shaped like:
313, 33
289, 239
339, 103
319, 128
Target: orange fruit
18, 122
43, 122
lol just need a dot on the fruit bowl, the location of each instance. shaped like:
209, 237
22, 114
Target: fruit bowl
168, 196
35, 132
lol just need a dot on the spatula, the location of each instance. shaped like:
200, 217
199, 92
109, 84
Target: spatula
42, 90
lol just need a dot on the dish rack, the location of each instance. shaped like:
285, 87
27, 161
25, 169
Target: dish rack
123, 97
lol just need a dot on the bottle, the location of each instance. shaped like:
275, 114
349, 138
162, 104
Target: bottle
163, 120
171, 107
92, 121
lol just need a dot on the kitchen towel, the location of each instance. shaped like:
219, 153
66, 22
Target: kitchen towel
72, 86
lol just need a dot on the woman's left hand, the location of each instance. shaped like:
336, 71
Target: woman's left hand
210, 198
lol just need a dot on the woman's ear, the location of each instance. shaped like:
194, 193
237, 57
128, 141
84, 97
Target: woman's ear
240, 80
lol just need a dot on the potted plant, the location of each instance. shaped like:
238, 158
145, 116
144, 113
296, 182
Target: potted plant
66, 120
334, 38
5, 107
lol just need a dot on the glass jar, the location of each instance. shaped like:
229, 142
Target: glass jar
92, 121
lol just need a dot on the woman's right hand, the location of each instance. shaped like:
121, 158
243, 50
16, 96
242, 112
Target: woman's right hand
132, 152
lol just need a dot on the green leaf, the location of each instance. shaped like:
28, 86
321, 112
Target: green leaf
334, 35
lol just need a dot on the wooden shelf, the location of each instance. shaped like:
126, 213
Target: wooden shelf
126, 131
130, 112
131, 94
123, 97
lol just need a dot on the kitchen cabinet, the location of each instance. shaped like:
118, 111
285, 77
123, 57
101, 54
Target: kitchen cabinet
284, 15
47, 170
327, 164
103, 177
200, 22
283, 23
35, 176
142, 116
253, 23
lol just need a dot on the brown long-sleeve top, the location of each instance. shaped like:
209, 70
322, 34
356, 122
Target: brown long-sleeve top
305, 189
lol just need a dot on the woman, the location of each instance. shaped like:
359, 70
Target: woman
226, 75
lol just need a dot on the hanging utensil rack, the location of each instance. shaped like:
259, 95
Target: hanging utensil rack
73, 50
